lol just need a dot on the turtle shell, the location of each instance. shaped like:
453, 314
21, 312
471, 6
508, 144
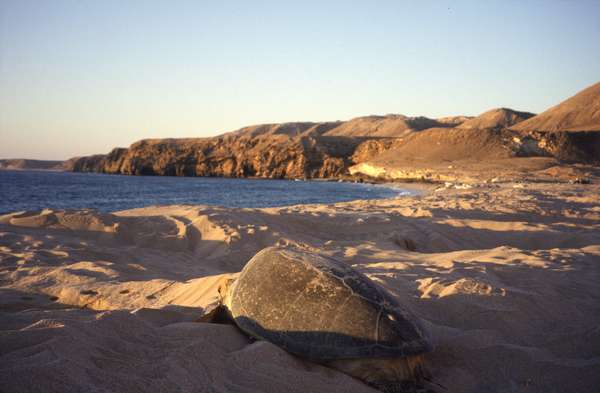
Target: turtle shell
321, 308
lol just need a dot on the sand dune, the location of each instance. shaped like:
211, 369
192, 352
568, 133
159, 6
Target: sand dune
505, 277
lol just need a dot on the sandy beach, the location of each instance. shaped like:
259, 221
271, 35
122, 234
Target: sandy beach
504, 277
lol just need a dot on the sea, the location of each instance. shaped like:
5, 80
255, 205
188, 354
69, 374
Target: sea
36, 190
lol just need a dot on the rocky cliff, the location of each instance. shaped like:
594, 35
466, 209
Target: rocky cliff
266, 156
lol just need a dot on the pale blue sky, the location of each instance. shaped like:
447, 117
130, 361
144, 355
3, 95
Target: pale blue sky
79, 77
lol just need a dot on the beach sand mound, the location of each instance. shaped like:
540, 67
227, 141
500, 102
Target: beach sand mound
505, 278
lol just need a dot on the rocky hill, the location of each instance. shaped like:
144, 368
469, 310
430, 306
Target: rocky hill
578, 113
387, 126
496, 118
570, 130
329, 149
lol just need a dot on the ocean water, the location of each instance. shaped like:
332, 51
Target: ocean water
35, 190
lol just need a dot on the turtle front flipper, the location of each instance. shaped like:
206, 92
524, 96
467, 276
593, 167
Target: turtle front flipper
218, 312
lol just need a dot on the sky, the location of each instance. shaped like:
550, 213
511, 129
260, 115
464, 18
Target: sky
81, 77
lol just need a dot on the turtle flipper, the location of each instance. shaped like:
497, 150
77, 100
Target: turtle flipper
218, 314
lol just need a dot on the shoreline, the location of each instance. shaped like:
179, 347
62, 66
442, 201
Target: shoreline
169, 191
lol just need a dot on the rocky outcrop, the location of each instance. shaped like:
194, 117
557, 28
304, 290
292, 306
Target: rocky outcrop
237, 155
93, 163
569, 146
373, 148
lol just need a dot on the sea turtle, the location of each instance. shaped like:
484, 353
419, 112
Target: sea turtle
322, 309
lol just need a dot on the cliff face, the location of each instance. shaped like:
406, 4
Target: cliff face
85, 164
267, 156
570, 146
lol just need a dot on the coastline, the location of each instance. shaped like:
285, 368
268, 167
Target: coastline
38, 190
408, 172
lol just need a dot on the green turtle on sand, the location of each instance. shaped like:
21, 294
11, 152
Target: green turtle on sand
323, 310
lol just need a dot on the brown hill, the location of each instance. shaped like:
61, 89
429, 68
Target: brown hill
292, 129
482, 137
438, 145
578, 113
382, 126
496, 118
373, 126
